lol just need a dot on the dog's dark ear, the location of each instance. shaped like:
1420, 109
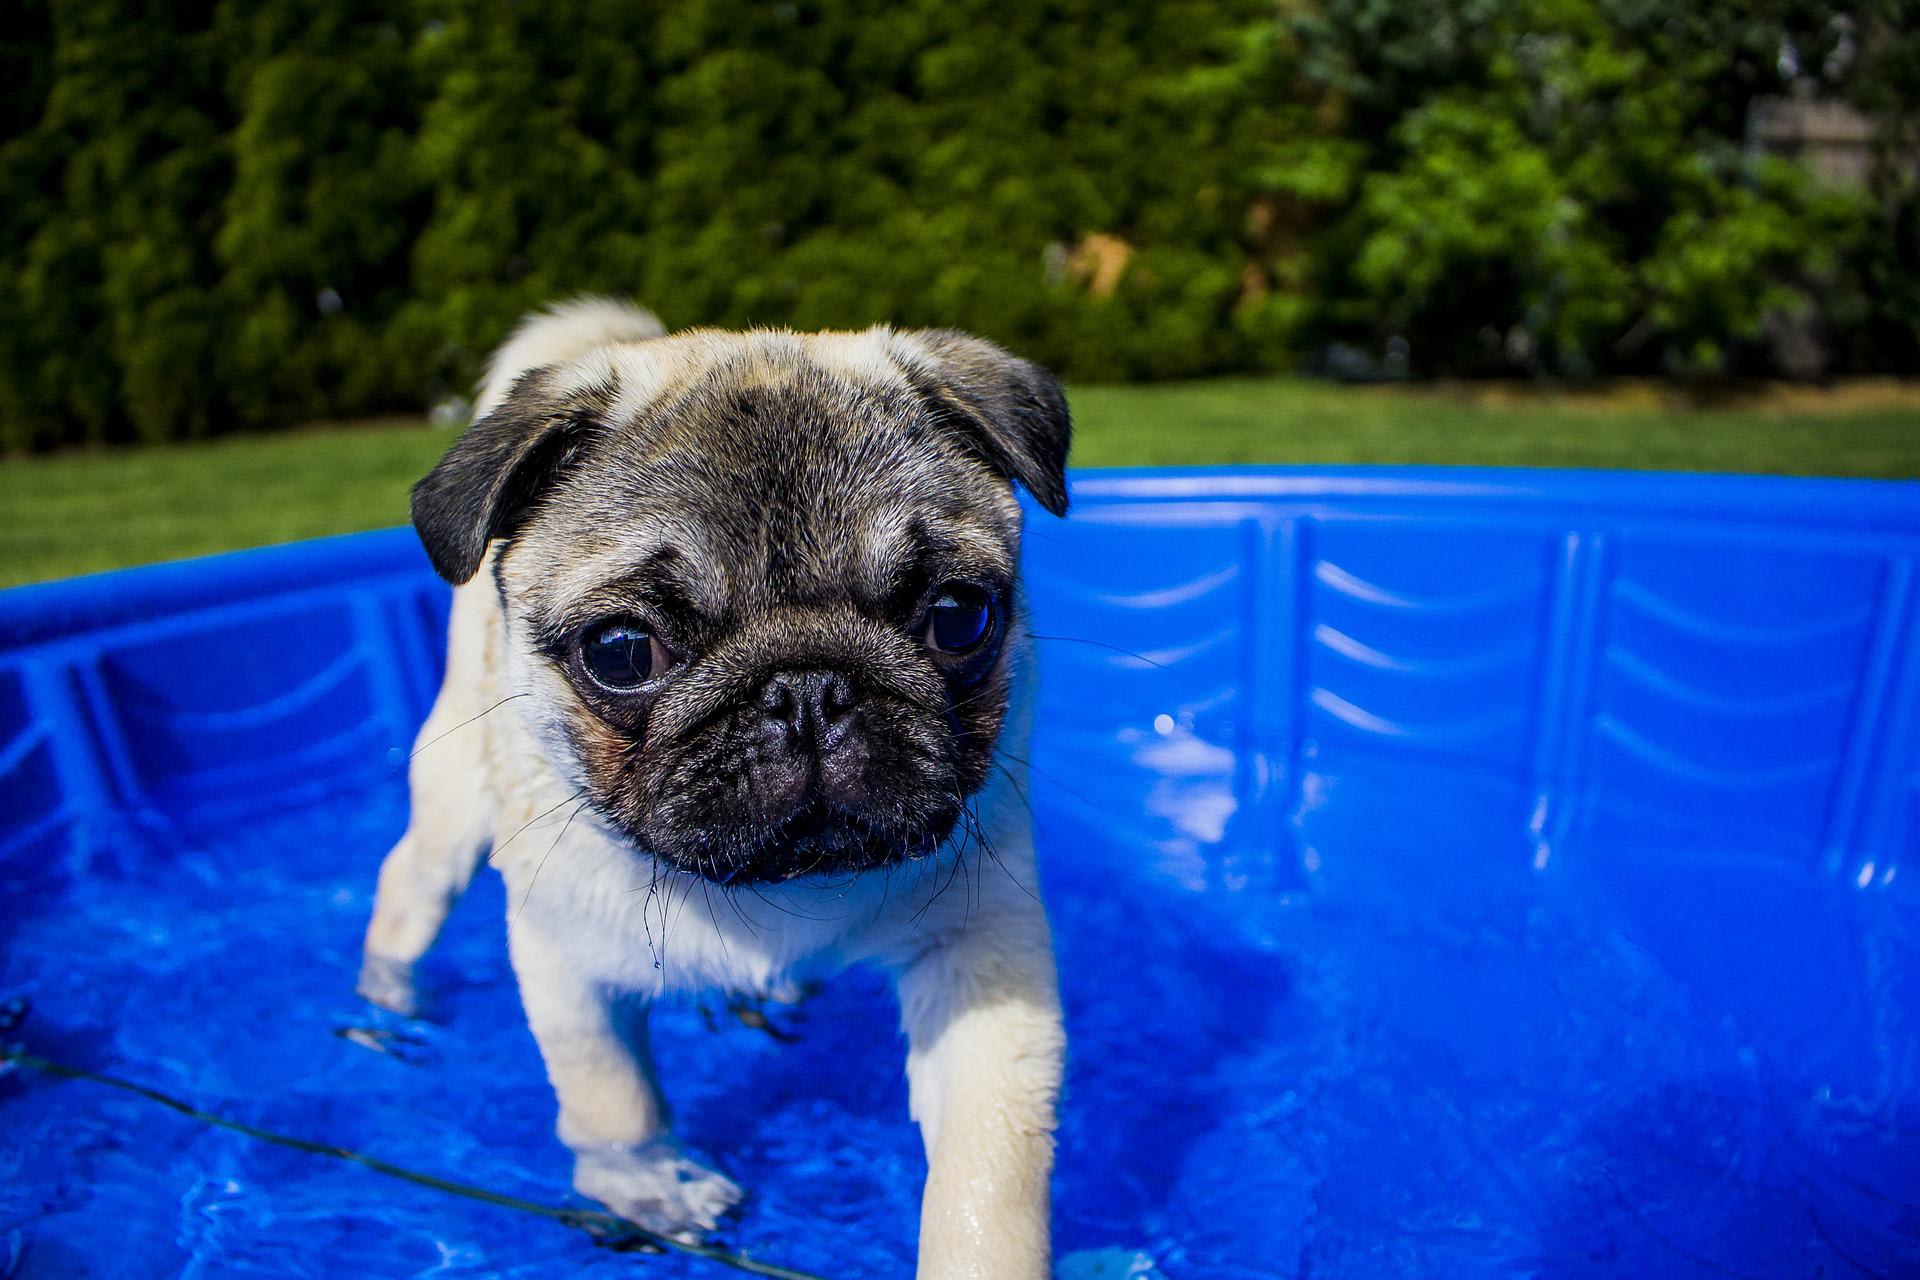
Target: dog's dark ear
484, 485
1009, 411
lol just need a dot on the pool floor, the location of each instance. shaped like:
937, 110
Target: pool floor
1416, 1057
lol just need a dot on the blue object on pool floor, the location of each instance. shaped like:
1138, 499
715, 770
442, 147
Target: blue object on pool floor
1456, 873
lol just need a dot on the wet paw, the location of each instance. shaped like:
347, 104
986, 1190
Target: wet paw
389, 983
395, 1044
658, 1187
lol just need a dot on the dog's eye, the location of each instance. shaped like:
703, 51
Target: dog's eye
622, 655
961, 618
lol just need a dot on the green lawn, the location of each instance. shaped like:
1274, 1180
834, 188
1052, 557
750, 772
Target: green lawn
78, 512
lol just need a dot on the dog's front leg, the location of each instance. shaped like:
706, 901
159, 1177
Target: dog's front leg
611, 1113
982, 1015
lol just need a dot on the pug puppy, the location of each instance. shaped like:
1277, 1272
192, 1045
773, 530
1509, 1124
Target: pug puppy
736, 696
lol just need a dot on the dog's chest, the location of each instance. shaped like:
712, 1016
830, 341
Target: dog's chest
626, 922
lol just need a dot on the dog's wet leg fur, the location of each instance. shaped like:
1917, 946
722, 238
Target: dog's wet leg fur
984, 1068
447, 834
612, 1118
985, 1057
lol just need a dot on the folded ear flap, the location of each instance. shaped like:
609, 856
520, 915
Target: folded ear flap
484, 485
1009, 411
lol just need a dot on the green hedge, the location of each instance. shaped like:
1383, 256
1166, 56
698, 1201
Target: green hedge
251, 214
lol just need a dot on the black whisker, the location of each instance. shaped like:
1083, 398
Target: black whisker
541, 865
973, 887
706, 895
464, 723
646, 922
666, 921
919, 878
495, 851
989, 850
1102, 644
727, 896
754, 889
958, 858
1013, 780
991, 691
1031, 767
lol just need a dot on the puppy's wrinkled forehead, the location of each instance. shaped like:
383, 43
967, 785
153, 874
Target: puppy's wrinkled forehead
772, 474
791, 465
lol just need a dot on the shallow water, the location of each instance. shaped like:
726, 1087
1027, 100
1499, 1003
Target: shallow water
1345, 1040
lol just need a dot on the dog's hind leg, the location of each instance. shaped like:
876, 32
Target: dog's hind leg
448, 832
420, 880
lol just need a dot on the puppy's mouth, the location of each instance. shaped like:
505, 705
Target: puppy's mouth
813, 825
817, 839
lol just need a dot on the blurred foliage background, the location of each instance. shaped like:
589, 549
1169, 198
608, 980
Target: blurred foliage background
224, 215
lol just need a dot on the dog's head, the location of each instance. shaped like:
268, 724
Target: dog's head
761, 587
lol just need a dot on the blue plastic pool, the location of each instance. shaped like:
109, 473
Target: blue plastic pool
1457, 874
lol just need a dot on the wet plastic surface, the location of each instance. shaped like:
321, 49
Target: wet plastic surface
1474, 874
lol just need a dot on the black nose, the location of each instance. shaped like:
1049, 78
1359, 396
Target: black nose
813, 709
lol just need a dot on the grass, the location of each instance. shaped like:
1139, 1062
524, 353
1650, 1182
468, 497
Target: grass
1866, 429
85, 511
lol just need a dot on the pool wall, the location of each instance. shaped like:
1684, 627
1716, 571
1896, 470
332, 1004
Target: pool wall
1455, 873
1727, 662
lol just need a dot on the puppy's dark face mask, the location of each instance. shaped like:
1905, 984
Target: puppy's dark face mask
764, 585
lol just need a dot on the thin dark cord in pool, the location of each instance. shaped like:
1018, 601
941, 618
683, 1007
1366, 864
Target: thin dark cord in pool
605, 1228
464, 723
